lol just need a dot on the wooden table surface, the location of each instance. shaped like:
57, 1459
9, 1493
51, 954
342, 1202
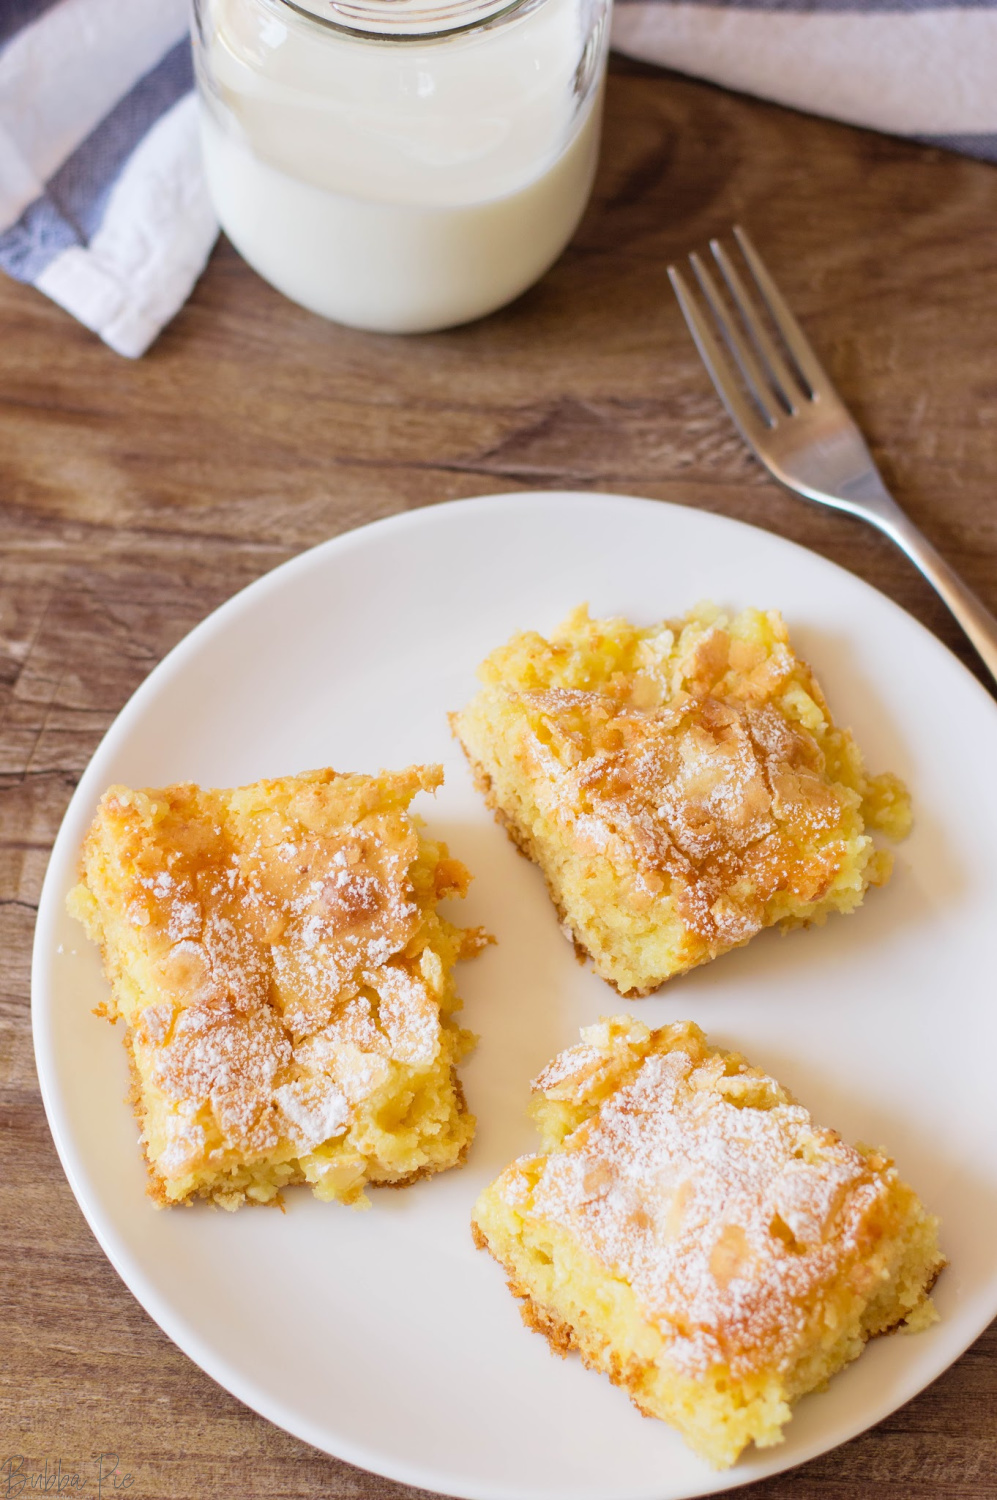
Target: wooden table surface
138, 496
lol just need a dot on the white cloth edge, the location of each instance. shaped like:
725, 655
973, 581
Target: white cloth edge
929, 72
157, 234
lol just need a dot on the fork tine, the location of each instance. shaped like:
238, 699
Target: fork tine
796, 340
742, 411
751, 371
785, 383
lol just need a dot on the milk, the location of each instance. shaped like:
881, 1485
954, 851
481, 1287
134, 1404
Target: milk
400, 185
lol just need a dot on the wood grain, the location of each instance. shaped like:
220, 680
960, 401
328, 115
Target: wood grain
137, 496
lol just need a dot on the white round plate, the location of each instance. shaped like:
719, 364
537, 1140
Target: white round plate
384, 1337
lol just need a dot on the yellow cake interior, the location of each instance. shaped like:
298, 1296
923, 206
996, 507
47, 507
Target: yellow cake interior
681, 785
285, 981
695, 1236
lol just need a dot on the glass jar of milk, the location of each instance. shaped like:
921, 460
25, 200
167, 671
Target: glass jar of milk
400, 165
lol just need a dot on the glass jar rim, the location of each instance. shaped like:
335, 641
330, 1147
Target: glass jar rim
406, 20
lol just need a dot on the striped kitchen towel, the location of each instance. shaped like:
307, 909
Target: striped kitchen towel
102, 198
922, 68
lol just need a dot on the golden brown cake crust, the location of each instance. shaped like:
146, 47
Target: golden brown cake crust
710, 1192
693, 1233
562, 1340
525, 846
681, 786
277, 956
557, 1333
712, 796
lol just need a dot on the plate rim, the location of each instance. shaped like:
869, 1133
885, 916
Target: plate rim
175, 1326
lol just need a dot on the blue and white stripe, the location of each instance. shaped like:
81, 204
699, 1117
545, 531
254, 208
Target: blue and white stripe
103, 204
102, 199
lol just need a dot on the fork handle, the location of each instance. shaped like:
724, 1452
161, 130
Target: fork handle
975, 619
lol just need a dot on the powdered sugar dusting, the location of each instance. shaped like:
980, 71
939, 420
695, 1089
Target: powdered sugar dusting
719, 802
351, 1049
185, 1141
569, 1071
315, 1111
409, 1015
723, 1217
228, 1058
277, 941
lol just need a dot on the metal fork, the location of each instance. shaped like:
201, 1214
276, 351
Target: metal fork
796, 424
